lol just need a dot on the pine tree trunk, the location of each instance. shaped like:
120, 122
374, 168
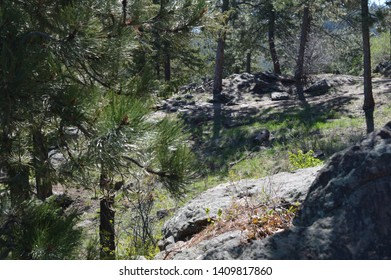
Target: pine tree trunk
218, 76
272, 46
157, 67
369, 103
167, 61
41, 165
106, 229
167, 66
219, 64
124, 11
19, 185
248, 62
299, 71
217, 88
218, 79
106, 225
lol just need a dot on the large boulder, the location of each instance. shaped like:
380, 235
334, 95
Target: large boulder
319, 88
383, 68
193, 217
278, 96
345, 215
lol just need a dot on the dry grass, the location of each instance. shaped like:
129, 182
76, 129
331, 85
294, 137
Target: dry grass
255, 221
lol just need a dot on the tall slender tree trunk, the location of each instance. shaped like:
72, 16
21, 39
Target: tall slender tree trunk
106, 229
218, 79
248, 62
43, 180
124, 11
299, 71
219, 64
217, 88
271, 37
369, 103
106, 221
157, 67
19, 184
167, 66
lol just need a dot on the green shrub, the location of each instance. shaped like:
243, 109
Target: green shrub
40, 231
380, 48
303, 160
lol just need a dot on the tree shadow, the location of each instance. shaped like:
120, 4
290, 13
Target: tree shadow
223, 134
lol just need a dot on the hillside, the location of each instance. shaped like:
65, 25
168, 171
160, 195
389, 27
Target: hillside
255, 139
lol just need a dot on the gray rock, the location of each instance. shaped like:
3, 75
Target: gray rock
261, 87
262, 136
56, 158
278, 96
319, 87
346, 214
224, 246
165, 243
192, 218
383, 68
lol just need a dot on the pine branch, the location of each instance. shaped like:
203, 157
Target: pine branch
161, 174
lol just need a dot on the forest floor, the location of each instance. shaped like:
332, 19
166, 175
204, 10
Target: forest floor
334, 121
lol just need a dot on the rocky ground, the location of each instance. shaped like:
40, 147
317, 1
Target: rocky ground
345, 213
245, 98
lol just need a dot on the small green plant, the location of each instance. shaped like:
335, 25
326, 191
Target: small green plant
303, 160
211, 220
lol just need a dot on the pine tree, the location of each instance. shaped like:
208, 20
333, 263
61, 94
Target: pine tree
369, 103
83, 66
299, 71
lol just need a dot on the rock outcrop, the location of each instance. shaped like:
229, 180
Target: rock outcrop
345, 215
383, 68
244, 96
193, 217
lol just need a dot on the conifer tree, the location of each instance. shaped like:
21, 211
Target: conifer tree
84, 66
369, 103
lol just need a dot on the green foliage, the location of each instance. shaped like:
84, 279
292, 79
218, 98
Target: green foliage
173, 156
211, 220
40, 231
303, 160
133, 248
380, 48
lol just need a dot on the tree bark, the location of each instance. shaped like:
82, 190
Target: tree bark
41, 165
106, 221
369, 103
248, 62
219, 64
272, 46
218, 79
167, 61
19, 185
299, 72
157, 67
167, 66
106, 229
218, 76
